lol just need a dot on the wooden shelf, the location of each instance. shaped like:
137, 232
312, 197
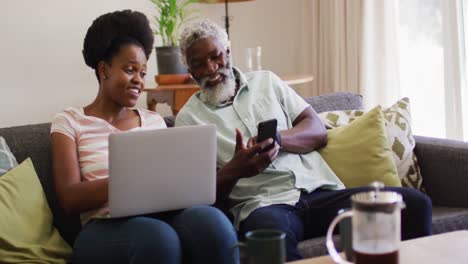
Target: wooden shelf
176, 95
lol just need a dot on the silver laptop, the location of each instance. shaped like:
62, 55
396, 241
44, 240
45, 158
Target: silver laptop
160, 170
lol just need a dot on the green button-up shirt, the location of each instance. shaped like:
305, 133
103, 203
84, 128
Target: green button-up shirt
261, 96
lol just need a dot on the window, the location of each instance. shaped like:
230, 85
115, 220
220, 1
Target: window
422, 64
433, 73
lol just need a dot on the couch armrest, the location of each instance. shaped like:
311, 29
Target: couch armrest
444, 168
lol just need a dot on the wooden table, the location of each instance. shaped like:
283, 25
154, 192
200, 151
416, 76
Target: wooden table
443, 248
176, 95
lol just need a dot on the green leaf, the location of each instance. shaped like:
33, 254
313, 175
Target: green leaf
172, 15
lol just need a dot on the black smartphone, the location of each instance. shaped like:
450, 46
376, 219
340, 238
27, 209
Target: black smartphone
267, 129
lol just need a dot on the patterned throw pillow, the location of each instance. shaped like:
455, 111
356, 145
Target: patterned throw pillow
7, 160
399, 134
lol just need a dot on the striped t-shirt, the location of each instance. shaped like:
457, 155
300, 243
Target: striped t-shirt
91, 135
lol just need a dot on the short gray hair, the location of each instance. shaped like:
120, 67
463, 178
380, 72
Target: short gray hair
201, 29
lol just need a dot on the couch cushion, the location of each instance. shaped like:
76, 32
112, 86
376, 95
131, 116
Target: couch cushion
400, 137
335, 101
316, 246
358, 152
33, 141
446, 219
26, 223
7, 159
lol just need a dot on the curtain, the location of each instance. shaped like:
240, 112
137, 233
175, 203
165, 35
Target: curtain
433, 68
336, 45
355, 49
379, 69
454, 68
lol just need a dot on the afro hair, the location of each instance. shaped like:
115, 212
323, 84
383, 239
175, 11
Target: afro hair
112, 30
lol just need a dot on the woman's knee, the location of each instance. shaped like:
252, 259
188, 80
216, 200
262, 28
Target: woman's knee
153, 238
155, 230
139, 239
206, 235
203, 219
202, 215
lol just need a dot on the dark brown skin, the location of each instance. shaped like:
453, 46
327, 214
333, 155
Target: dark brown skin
204, 58
113, 104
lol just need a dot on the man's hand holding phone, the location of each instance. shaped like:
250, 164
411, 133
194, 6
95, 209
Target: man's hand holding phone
268, 129
253, 158
248, 161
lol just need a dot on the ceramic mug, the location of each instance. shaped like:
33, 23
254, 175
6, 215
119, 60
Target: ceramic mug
263, 246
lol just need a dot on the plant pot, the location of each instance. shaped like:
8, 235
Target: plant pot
168, 59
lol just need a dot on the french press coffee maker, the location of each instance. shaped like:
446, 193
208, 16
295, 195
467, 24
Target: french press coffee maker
376, 227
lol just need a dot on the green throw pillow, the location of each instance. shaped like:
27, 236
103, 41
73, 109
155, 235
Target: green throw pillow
26, 231
7, 160
358, 153
399, 138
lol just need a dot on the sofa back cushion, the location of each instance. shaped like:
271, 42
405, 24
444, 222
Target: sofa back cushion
322, 103
335, 101
33, 141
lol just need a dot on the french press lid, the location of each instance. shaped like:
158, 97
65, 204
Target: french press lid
377, 200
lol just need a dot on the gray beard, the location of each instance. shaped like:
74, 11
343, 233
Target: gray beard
222, 92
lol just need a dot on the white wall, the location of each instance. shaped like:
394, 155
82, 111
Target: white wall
42, 70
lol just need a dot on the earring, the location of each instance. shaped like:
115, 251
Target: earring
104, 77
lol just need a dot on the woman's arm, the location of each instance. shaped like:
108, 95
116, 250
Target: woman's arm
74, 195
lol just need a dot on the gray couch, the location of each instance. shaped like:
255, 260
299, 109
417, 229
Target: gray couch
443, 163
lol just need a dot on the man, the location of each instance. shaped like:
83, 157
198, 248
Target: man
287, 187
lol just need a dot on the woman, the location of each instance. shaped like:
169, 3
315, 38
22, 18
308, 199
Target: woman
117, 47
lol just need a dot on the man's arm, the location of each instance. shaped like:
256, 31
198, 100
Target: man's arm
307, 134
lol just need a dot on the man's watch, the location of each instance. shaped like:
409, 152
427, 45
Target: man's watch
278, 138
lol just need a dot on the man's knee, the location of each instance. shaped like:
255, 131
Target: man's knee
280, 217
417, 217
415, 199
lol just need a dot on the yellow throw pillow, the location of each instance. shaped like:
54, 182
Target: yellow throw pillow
26, 231
399, 137
358, 153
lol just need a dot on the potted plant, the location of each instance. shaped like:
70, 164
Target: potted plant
172, 14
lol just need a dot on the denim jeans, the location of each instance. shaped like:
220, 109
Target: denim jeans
312, 214
200, 234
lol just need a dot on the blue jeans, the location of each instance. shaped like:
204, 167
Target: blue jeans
313, 213
200, 234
